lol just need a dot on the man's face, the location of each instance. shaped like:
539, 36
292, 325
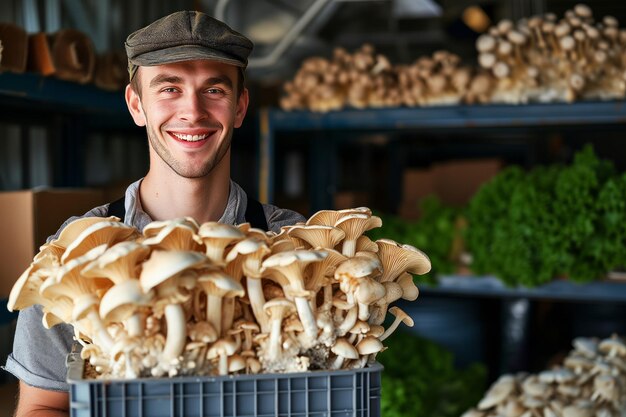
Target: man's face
189, 110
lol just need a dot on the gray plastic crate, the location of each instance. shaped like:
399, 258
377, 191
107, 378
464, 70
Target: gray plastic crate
316, 393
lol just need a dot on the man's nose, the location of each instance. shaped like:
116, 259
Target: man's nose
193, 108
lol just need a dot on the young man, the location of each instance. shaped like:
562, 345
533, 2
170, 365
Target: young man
187, 89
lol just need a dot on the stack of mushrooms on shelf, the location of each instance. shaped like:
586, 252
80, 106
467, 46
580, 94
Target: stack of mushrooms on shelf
538, 59
590, 382
216, 299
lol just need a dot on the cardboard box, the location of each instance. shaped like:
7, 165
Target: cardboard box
454, 182
28, 218
457, 181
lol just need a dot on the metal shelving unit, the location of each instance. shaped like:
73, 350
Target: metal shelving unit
515, 303
351, 122
68, 111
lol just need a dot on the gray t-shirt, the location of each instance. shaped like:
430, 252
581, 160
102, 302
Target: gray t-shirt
38, 356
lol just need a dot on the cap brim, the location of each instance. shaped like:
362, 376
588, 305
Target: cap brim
184, 53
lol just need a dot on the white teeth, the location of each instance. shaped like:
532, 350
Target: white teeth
190, 138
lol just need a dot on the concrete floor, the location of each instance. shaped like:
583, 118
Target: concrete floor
8, 393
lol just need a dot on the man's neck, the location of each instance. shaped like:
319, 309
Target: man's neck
165, 197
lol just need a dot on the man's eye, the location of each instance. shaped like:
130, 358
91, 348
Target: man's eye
169, 90
214, 91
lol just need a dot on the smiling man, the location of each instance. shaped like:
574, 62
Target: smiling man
187, 89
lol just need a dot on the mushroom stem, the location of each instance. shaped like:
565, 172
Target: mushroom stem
349, 248
176, 332
257, 300
135, 324
214, 312
348, 322
307, 318
104, 338
275, 336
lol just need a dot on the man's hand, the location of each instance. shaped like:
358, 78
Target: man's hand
37, 402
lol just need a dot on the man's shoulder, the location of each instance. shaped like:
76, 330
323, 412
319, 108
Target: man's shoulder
278, 217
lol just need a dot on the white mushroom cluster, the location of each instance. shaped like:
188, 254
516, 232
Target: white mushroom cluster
214, 299
539, 59
366, 79
546, 59
591, 382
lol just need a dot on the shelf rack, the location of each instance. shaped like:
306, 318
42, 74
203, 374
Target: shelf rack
515, 303
274, 122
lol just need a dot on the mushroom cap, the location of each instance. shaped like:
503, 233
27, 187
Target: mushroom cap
376, 330
369, 291
485, 43
399, 313
344, 349
236, 363
215, 230
354, 225
612, 344
410, 292
25, 291
283, 259
177, 234
163, 265
68, 281
324, 218
202, 332
106, 232
556, 375
397, 259
71, 232
155, 227
369, 345
252, 250
360, 327
358, 267
586, 346
122, 300
498, 392
279, 308
318, 235
219, 283
118, 262
224, 346
364, 243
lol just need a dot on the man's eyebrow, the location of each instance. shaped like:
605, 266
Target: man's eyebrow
165, 79
222, 79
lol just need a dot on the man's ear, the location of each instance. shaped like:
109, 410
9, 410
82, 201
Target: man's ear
133, 102
242, 107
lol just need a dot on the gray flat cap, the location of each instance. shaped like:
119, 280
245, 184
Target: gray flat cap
185, 36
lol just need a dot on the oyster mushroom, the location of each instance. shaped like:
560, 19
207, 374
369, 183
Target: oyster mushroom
397, 259
354, 225
177, 234
216, 237
252, 251
498, 392
401, 317
222, 349
318, 235
106, 232
119, 263
163, 272
277, 309
357, 279
343, 349
287, 269
218, 285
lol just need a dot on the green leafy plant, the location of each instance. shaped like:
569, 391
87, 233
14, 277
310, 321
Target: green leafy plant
554, 221
433, 233
420, 380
